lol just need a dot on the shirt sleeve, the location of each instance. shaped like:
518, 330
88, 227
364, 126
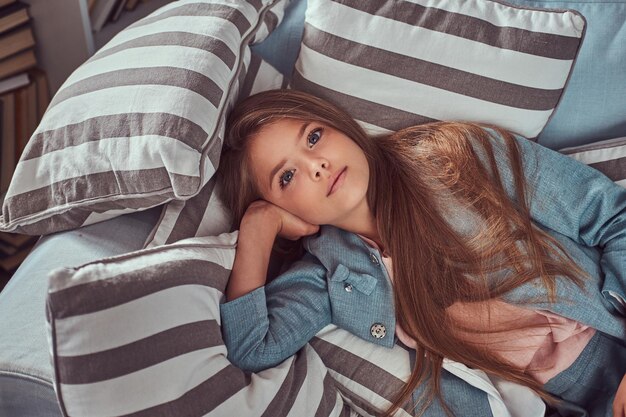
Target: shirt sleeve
266, 326
572, 199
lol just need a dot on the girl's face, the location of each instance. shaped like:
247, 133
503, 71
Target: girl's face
311, 170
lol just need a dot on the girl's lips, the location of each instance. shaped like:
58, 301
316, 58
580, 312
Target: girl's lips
337, 181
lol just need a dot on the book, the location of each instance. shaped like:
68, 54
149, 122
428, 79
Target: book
15, 239
3, 193
14, 82
6, 249
13, 16
17, 63
131, 5
8, 140
43, 92
21, 121
6, 2
25, 117
119, 7
32, 111
10, 263
4, 278
100, 13
16, 40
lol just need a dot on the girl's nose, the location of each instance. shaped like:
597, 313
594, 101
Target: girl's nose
319, 165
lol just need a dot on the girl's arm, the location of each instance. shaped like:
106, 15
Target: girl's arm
263, 325
575, 200
254, 246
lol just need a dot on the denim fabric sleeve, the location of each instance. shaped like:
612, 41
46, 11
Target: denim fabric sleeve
573, 199
266, 326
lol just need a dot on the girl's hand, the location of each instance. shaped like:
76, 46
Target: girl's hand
288, 226
619, 403
260, 225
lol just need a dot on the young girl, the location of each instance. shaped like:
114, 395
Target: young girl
464, 241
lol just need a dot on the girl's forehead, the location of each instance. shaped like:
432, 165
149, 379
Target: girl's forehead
279, 132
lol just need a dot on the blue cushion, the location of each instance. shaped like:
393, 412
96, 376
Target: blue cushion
593, 106
282, 46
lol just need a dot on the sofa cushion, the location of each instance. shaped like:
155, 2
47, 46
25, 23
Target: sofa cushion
393, 64
204, 214
141, 122
607, 156
140, 333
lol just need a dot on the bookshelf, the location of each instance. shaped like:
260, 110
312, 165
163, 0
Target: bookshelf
64, 34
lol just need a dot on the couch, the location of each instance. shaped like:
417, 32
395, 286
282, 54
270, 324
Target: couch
590, 111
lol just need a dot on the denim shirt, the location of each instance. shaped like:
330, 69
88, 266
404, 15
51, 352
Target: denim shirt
341, 280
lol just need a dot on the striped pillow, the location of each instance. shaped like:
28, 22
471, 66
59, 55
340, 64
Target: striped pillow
367, 376
141, 122
204, 214
139, 334
396, 63
607, 156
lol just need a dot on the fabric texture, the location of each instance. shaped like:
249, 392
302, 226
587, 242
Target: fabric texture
139, 334
483, 61
592, 380
281, 47
592, 107
141, 122
607, 156
204, 214
544, 350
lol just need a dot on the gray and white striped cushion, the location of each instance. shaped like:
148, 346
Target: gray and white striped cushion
139, 334
607, 156
204, 213
396, 63
141, 122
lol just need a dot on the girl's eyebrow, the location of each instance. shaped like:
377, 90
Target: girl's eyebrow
284, 161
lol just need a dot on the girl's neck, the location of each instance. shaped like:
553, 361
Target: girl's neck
362, 223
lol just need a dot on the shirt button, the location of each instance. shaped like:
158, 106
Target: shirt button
348, 287
378, 330
374, 259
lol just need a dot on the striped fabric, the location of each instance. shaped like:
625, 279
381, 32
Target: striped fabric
607, 156
139, 335
367, 376
139, 123
204, 214
396, 63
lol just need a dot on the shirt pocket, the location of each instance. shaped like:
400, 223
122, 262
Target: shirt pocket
350, 281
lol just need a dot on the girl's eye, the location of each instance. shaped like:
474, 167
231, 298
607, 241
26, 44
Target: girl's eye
285, 178
315, 136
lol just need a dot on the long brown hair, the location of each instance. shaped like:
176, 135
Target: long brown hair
435, 262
